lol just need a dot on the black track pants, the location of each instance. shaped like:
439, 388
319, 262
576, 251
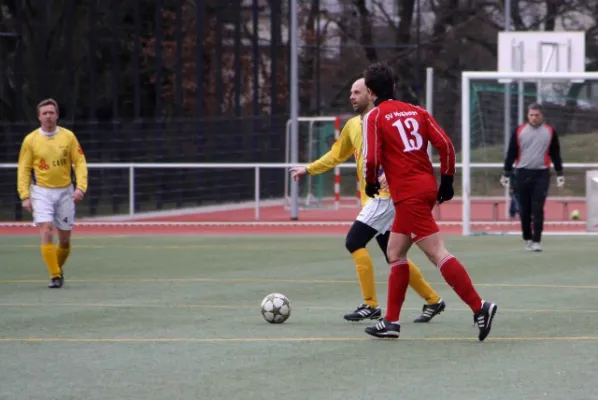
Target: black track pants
532, 186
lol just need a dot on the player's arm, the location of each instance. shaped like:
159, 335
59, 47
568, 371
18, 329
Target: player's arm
512, 153
24, 170
555, 153
446, 152
341, 151
443, 144
79, 164
372, 153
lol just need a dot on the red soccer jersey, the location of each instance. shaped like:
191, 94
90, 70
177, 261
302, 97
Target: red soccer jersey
396, 137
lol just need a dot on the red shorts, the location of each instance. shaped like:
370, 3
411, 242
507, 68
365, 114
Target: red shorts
413, 216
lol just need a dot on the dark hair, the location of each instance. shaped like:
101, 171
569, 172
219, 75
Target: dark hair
47, 102
537, 107
380, 79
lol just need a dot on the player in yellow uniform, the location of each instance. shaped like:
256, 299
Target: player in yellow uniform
374, 220
44, 181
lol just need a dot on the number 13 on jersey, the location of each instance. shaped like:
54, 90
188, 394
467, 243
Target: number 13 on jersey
409, 132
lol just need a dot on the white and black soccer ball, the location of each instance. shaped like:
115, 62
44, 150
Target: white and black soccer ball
276, 308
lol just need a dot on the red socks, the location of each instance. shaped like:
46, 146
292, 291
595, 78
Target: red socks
451, 269
398, 282
457, 277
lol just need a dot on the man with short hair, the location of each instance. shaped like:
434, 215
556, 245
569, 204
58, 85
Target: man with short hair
396, 137
374, 219
44, 182
532, 147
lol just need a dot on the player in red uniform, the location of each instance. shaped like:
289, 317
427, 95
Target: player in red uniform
396, 137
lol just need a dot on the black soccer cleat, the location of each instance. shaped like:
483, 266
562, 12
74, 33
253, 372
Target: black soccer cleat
364, 312
429, 311
56, 282
483, 319
384, 329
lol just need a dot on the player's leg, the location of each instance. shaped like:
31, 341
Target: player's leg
382, 240
398, 278
513, 194
428, 239
398, 282
42, 201
357, 238
63, 248
416, 279
64, 220
540, 191
456, 276
524, 184
48, 250
434, 304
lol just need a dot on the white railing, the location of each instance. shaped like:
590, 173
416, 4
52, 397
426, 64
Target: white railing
257, 167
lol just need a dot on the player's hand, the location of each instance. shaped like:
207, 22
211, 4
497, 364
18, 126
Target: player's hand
26, 204
78, 195
504, 181
372, 189
445, 191
297, 172
560, 181
383, 182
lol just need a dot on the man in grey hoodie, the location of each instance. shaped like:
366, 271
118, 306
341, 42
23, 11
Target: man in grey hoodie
532, 147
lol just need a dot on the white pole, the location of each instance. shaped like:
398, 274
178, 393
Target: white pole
337, 170
287, 159
507, 104
507, 99
465, 144
294, 107
257, 193
309, 178
430, 99
520, 115
131, 191
520, 104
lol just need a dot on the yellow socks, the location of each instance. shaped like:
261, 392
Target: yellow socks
51, 259
365, 273
419, 284
62, 254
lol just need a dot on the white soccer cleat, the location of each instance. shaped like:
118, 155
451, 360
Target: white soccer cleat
529, 245
536, 246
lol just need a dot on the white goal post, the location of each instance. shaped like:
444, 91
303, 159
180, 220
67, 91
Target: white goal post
466, 79
592, 200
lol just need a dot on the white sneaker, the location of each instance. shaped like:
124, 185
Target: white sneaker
529, 245
536, 246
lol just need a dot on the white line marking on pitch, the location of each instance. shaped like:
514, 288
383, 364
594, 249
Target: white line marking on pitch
251, 306
273, 280
291, 340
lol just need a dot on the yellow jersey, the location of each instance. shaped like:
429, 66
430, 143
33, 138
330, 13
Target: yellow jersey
48, 161
349, 144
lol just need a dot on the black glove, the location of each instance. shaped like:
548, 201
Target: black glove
372, 189
445, 191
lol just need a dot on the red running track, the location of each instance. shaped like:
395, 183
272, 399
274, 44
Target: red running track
487, 216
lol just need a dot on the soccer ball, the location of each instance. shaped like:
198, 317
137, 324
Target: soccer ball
575, 215
276, 308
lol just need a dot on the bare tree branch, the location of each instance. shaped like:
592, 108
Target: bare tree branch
387, 18
366, 39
